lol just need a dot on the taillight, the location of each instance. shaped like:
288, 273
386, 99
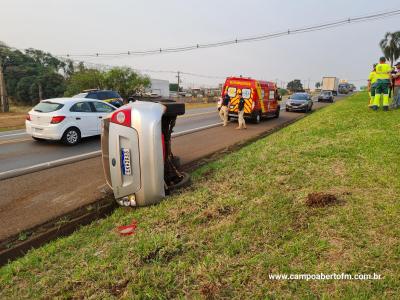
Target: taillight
28, 117
57, 119
122, 117
163, 145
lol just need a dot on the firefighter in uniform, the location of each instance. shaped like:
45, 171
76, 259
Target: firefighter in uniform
224, 110
382, 84
371, 85
242, 123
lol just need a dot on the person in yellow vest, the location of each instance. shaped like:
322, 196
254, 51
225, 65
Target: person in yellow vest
371, 85
382, 84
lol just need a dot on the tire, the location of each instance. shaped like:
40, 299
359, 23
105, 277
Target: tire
183, 183
173, 109
176, 160
71, 136
257, 118
287, 109
278, 111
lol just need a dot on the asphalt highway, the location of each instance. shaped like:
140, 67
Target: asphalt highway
19, 150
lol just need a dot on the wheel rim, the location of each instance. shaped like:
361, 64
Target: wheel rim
72, 137
258, 118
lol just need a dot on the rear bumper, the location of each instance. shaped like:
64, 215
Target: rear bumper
49, 132
235, 115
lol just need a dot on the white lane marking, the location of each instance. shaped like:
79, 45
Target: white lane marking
198, 114
48, 165
14, 134
195, 129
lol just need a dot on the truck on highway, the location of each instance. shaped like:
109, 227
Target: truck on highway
261, 97
330, 84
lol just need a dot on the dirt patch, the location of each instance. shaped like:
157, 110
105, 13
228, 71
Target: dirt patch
216, 212
209, 290
118, 288
321, 199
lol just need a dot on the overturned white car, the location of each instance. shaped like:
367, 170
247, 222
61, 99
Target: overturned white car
136, 147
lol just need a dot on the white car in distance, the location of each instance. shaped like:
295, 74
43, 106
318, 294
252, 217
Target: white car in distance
67, 119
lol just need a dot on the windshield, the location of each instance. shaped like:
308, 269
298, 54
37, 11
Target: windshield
299, 97
46, 107
326, 94
81, 95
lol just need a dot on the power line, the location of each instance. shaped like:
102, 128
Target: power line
319, 27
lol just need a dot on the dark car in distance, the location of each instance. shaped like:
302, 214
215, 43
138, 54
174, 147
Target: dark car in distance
111, 97
325, 96
299, 102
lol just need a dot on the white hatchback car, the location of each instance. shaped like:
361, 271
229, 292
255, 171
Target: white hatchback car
67, 119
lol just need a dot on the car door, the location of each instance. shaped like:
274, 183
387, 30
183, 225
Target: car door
310, 102
273, 103
102, 110
85, 118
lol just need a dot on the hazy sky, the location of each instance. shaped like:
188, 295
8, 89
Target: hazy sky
90, 26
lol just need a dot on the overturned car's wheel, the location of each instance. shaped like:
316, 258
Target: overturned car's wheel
176, 160
183, 183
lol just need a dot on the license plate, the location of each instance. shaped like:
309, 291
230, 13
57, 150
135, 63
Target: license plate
35, 129
232, 106
126, 161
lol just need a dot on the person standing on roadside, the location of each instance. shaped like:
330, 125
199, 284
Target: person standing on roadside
383, 71
224, 110
242, 123
371, 85
396, 92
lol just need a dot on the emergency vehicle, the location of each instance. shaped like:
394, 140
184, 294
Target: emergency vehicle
261, 97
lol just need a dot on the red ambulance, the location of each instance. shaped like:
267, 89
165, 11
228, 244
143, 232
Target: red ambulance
261, 97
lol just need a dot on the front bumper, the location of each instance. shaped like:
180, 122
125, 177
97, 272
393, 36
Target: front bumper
48, 132
296, 108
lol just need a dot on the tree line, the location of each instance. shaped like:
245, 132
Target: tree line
32, 75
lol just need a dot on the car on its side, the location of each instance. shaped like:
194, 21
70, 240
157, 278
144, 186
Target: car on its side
326, 96
299, 102
67, 119
111, 97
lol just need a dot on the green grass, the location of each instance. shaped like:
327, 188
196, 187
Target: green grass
245, 218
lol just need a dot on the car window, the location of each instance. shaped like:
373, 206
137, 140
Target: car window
81, 107
231, 92
46, 107
81, 95
246, 93
102, 95
112, 94
299, 97
92, 95
102, 107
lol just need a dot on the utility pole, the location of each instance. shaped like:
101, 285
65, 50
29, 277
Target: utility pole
3, 91
179, 81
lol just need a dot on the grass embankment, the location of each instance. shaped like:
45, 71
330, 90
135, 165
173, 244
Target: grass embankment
15, 119
246, 217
